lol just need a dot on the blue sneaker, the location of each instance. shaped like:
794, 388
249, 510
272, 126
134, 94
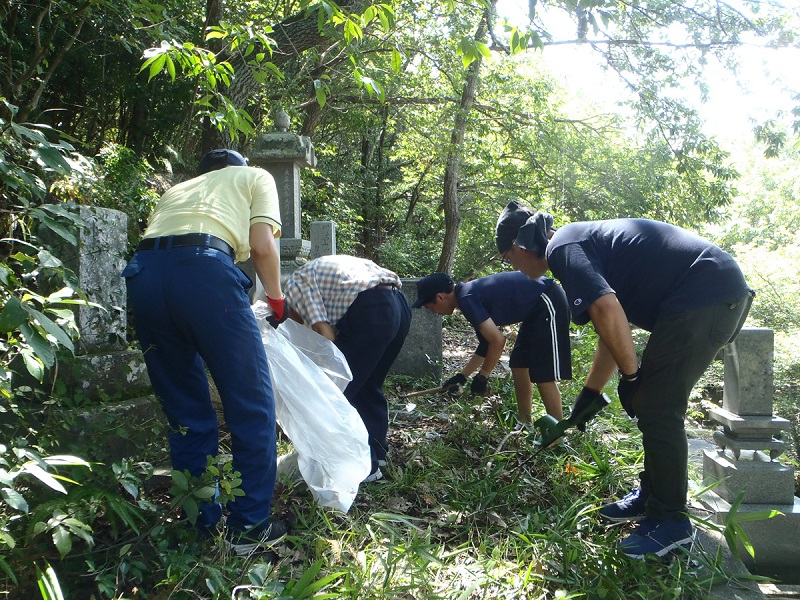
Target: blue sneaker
630, 509
659, 537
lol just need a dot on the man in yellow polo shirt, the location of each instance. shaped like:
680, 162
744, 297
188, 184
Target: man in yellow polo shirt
191, 312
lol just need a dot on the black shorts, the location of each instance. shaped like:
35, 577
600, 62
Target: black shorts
542, 344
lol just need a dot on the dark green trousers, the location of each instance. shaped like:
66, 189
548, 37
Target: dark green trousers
680, 349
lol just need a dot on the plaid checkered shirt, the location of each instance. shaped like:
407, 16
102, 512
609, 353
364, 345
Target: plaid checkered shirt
323, 289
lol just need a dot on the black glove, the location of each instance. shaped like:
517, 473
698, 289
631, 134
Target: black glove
480, 384
584, 399
455, 384
626, 390
274, 321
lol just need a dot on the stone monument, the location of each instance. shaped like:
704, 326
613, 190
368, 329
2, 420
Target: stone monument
284, 154
422, 351
102, 365
745, 468
111, 379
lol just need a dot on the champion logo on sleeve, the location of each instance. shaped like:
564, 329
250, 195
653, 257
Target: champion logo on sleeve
578, 302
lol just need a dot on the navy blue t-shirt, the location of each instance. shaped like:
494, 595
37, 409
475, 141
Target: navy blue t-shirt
654, 268
506, 298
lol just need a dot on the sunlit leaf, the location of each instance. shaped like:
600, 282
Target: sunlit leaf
53, 329
40, 345
397, 60
46, 478
14, 499
170, 67
33, 364
62, 539
483, 49
66, 460
320, 92
49, 585
51, 157
157, 65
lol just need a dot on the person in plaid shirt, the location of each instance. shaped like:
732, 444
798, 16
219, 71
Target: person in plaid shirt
357, 305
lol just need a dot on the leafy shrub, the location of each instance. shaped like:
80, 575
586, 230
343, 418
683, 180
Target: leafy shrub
33, 325
22, 466
117, 179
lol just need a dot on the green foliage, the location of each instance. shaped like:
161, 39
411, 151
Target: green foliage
462, 513
117, 178
467, 505
27, 159
760, 229
33, 325
48, 583
219, 483
201, 65
20, 466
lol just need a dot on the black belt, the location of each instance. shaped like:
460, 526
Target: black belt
189, 239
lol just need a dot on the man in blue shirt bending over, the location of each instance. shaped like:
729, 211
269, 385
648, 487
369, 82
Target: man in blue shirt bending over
541, 353
692, 298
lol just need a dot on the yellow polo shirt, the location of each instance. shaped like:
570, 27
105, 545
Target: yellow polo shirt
222, 203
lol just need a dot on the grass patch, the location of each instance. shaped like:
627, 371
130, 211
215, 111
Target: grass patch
468, 509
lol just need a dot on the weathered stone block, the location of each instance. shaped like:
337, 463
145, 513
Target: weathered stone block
323, 239
293, 249
282, 147
422, 352
120, 374
759, 480
97, 262
749, 373
774, 540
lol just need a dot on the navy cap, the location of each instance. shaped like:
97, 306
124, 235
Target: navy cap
430, 285
220, 158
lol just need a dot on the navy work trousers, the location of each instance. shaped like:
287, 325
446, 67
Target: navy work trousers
191, 307
370, 335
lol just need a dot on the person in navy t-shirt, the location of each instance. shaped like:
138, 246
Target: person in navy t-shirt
541, 353
692, 298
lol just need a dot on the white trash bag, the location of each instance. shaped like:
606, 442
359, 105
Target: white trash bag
330, 438
319, 349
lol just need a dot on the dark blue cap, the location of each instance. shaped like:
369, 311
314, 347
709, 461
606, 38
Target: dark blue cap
218, 159
430, 285
528, 227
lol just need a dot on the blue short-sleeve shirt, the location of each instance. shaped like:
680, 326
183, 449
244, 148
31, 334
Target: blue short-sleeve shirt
506, 298
654, 268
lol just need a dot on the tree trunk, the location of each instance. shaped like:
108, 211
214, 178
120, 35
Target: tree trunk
452, 213
211, 137
44, 62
